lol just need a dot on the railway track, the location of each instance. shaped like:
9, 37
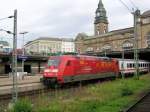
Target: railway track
142, 105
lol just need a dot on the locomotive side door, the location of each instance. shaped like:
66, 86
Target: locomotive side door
69, 71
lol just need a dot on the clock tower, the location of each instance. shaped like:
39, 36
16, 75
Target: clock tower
101, 22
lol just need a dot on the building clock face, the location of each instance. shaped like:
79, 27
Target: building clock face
98, 14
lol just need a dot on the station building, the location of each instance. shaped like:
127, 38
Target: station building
105, 41
45, 45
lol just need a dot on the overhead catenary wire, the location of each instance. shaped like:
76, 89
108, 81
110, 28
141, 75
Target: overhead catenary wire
6, 18
133, 4
126, 6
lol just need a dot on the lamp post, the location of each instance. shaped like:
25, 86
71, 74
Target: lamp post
14, 61
14, 56
23, 52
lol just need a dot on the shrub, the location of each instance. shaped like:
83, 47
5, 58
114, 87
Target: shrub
22, 106
44, 110
126, 91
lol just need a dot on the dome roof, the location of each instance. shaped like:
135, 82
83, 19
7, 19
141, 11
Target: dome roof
146, 14
100, 14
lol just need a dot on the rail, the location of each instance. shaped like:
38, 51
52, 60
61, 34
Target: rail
142, 105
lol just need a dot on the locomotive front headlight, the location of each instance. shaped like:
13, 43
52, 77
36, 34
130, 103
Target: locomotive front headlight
54, 70
47, 70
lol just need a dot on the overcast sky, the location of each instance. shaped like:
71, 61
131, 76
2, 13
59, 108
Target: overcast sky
63, 18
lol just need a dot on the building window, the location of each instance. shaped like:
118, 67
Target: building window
148, 39
127, 45
105, 29
146, 20
98, 32
90, 49
107, 47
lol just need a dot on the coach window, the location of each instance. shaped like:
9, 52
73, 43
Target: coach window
122, 66
133, 65
128, 65
139, 65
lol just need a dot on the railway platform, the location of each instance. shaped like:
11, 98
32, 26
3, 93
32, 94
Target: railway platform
29, 83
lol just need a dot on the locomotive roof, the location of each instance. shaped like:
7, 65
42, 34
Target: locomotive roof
84, 56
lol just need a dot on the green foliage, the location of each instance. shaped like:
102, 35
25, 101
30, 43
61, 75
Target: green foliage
51, 108
23, 105
44, 109
110, 96
89, 106
126, 91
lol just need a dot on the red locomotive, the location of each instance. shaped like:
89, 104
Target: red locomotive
69, 68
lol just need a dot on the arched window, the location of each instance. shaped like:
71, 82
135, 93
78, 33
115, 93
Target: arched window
90, 49
107, 47
127, 45
148, 39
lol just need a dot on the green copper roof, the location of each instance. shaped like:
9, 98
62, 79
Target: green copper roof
100, 14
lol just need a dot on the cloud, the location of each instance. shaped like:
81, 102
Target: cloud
63, 18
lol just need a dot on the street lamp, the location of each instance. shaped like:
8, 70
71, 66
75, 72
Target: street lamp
23, 52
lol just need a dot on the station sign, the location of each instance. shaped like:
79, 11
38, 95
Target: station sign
22, 57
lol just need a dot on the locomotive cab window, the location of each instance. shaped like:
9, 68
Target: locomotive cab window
53, 62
